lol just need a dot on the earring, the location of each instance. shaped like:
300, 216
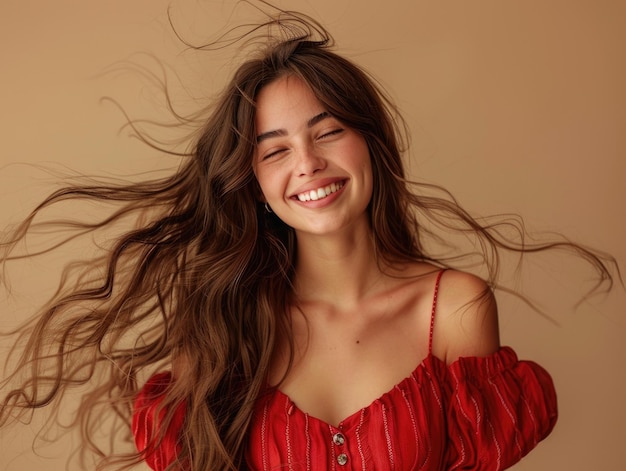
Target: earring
268, 209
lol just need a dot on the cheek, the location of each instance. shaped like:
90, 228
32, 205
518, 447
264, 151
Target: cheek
261, 178
267, 182
366, 162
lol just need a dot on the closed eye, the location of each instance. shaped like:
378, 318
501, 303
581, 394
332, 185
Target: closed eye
273, 154
334, 132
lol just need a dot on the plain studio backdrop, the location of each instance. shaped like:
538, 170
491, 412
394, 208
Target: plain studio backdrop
515, 106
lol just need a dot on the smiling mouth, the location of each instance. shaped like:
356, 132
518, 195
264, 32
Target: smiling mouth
321, 192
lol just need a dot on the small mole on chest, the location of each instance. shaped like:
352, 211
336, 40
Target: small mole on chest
358, 341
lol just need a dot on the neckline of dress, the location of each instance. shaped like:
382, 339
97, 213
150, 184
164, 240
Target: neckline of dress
354, 417
435, 362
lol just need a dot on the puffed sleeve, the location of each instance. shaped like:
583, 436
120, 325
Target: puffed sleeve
499, 409
146, 417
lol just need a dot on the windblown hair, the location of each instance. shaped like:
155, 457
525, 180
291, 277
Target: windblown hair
206, 274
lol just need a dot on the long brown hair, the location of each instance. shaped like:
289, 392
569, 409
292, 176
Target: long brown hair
205, 274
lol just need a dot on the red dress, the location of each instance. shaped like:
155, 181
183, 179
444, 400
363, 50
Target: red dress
475, 414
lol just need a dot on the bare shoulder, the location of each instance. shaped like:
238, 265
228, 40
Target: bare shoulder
466, 318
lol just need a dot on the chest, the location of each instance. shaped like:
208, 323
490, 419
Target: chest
402, 429
344, 363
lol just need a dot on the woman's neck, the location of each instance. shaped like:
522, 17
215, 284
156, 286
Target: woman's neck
340, 269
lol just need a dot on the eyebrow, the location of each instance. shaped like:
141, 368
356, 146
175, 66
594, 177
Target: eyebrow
283, 132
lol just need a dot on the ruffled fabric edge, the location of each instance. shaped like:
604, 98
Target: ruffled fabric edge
499, 408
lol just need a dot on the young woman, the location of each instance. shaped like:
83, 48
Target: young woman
278, 293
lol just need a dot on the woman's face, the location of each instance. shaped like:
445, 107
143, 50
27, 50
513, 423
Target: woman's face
315, 173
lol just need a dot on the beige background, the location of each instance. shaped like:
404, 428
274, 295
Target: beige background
515, 106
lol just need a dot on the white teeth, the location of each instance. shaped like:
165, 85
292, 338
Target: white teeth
320, 193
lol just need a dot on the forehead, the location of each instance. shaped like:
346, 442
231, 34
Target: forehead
287, 100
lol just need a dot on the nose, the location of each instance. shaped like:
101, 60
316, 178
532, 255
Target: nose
308, 161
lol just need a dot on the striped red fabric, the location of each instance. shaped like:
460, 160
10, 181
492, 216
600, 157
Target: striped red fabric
476, 414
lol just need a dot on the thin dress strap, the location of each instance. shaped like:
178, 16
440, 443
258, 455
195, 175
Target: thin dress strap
432, 313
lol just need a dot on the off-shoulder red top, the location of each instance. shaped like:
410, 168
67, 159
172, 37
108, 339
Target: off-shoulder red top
476, 414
